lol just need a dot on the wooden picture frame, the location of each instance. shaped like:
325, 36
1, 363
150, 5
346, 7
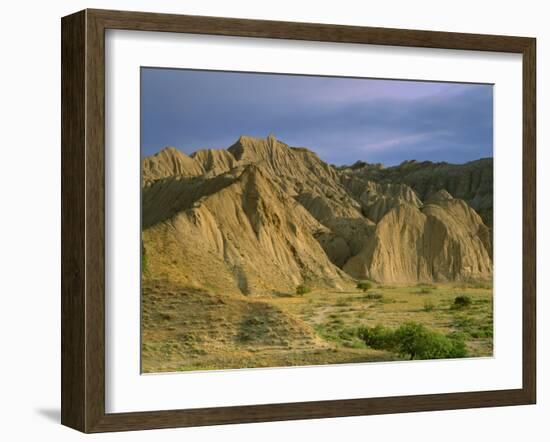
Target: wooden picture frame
83, 220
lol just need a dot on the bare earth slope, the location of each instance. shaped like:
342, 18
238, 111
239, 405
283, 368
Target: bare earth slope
169, 162
215, 161
263, 217
439, 242
247, 237
472, 181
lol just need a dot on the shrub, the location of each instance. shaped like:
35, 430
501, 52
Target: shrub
302, 289
374, 295
462, 301
364, 285
417, 342
378, 337
414, 341
458, 345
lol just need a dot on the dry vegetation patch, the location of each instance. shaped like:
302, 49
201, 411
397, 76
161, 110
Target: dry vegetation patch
191, 329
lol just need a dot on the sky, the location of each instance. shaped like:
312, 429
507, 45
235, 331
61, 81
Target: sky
342, 119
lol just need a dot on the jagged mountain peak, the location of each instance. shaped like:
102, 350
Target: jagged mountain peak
169, 162
249, 148
169, 150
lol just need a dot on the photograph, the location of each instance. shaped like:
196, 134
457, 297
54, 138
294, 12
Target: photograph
258, 222
303, 220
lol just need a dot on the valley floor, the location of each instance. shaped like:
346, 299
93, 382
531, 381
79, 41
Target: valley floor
189, 329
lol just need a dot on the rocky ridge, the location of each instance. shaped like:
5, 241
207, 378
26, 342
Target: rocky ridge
264, 217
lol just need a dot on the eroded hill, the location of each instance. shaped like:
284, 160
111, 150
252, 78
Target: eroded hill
263, 217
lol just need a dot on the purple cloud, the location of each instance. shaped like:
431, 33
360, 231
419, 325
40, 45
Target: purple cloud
342, 119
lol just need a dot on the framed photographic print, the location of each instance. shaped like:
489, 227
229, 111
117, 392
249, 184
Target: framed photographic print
267, 220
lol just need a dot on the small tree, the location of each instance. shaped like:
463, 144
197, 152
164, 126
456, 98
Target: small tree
364, 285
414, 341
378, 337
418, 342
302, 289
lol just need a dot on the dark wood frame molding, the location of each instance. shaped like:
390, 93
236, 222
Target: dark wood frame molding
83, 215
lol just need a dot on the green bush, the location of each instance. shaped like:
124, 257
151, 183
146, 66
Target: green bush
302, 289
379, 337
364, 285
418, 342
414, 341
462, 301
458, 341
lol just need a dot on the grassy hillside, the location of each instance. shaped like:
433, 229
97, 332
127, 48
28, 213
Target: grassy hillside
189, 329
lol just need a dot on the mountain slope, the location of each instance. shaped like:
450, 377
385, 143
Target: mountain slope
215, 161
264, 217
301, 174
472, 182
246, 237
442, 241
169, 162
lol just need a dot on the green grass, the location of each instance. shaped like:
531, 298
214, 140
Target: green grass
474, 327
429, 305
190, 329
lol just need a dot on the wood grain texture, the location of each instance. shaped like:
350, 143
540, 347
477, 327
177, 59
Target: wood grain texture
73, 252
83, 220
529, 220
95, 222
144, 21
